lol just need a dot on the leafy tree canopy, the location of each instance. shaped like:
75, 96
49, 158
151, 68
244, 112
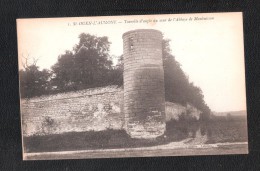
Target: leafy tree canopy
177, 86
34, 82
88, 65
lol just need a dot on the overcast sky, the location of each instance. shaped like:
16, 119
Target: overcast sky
210, 51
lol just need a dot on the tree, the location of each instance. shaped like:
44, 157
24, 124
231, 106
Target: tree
63, 72
176, 82
177, 86
88, 65
116, 75
33, 82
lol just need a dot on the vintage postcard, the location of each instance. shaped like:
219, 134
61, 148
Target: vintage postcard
132, 86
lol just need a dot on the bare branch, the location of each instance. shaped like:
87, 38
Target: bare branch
25, 60
35, 60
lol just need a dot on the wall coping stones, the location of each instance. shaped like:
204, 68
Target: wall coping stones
74, 94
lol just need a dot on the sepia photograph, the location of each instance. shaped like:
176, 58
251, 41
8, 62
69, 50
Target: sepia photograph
132, 86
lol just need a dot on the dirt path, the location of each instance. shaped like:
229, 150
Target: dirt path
189, 146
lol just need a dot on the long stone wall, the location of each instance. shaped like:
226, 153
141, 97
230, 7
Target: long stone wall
87, 110
92, 109
175, 111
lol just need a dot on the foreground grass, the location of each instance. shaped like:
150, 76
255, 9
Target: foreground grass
215, 130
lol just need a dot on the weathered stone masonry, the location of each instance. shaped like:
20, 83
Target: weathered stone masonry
85, 110
144, 102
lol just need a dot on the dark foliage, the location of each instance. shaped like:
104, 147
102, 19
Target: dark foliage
177, 86
34, 82
89, 65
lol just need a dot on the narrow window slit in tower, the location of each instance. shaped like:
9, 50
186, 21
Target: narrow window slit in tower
131, 44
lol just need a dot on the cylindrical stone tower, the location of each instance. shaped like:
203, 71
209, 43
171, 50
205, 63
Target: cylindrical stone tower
144, 101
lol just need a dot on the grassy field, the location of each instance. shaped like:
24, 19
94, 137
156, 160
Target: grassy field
216, 131
227, 131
